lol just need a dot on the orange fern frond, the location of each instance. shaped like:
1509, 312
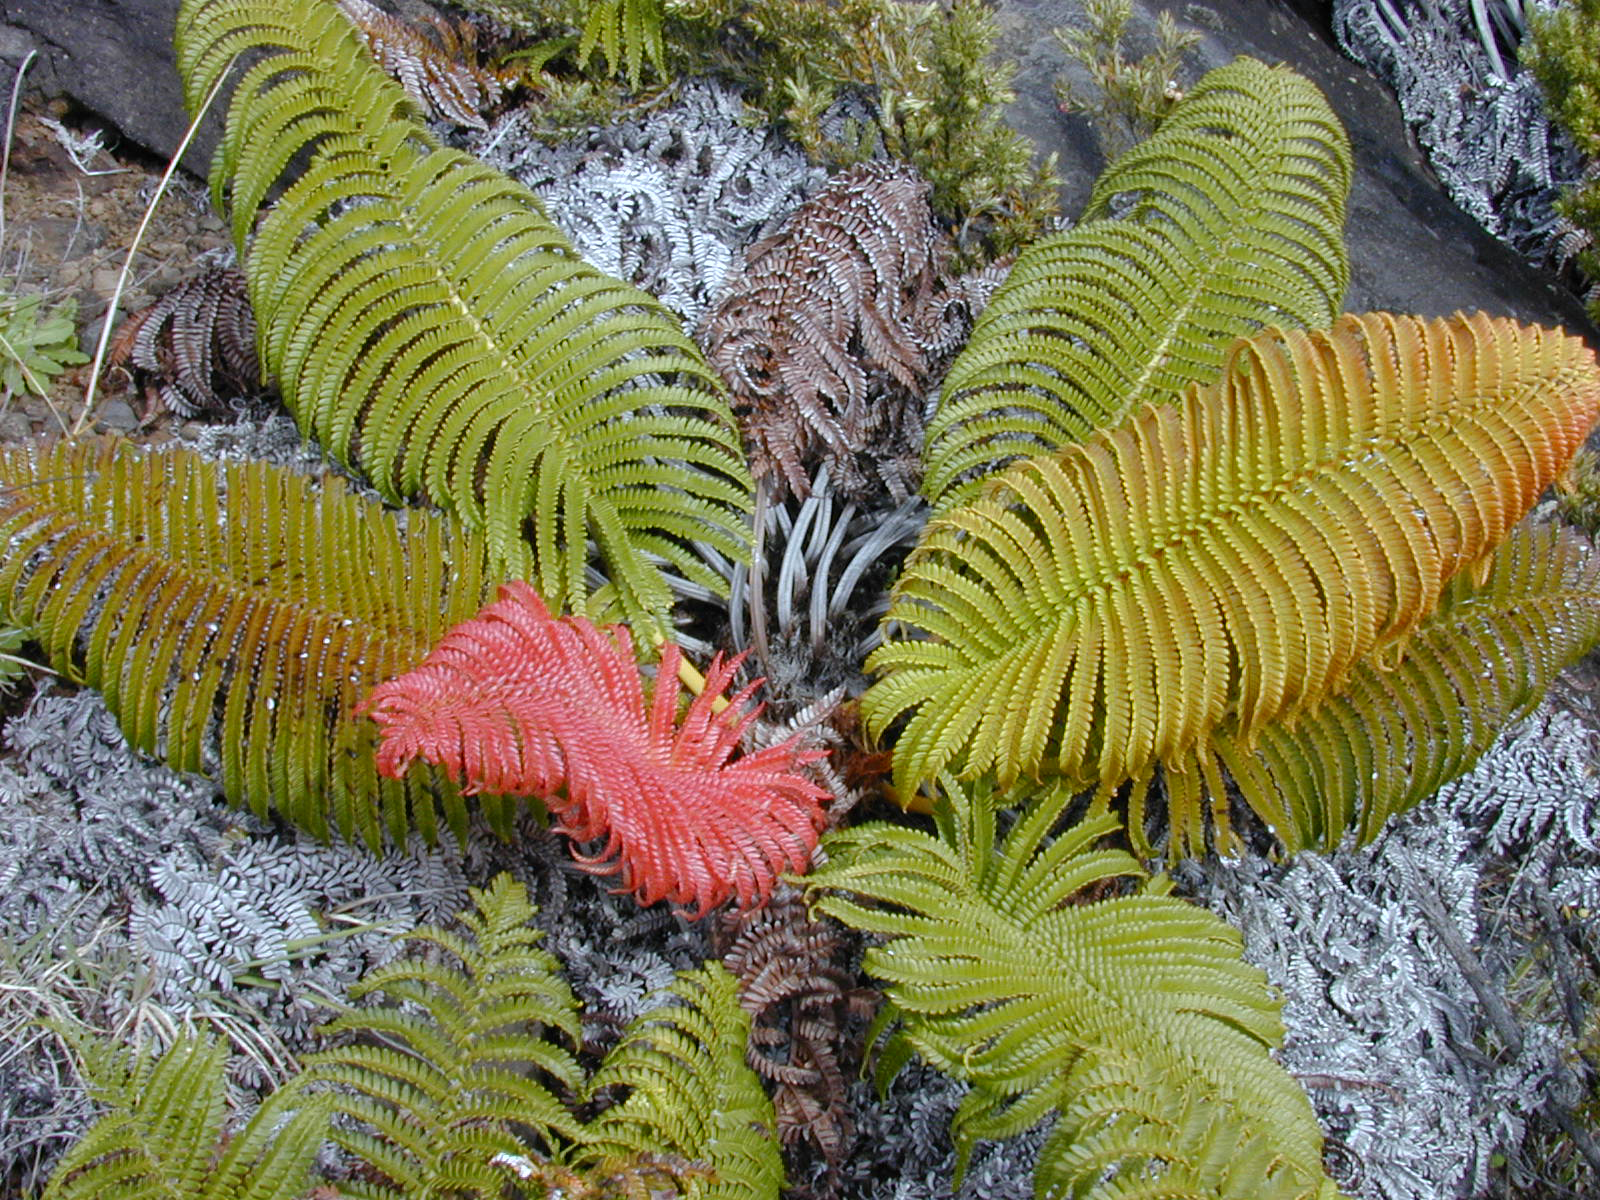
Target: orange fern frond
522, 702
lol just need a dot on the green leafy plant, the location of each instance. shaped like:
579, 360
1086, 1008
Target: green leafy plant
1135, 1018
433, 329
465, 1077
35, 345
1562, 50
464, 1082
164, 1133
1127, 96
1228, 219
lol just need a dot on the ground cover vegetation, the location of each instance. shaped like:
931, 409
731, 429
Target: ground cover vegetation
1197, 538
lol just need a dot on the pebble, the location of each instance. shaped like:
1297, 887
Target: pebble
118, 416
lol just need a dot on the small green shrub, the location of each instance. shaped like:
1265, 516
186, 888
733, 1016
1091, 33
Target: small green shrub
36, 345
1563, 52
1128, 96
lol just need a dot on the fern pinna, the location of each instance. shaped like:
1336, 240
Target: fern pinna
1230, 218
234, 614
521, 702
1226, 560
431, 327
1135, 1019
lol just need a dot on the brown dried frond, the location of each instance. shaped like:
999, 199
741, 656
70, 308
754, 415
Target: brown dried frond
436, 62
829, 331
195, 348
795, 983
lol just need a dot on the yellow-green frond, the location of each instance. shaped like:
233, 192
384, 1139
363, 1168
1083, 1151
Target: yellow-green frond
434, 330
1229, 219
626, 32
1399, 732
459, 1066
1003, 979
1227, 559
162, 1135
1135, 1125
689, 1095
234, 614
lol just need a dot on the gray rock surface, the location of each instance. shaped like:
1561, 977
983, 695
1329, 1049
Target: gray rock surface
112, 58
1411, 248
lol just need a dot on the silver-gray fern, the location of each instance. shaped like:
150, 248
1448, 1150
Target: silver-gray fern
1413, 1081
668, 202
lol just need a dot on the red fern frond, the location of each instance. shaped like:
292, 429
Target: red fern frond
520, 702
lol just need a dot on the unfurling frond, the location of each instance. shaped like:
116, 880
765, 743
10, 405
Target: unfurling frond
1004, 977
1229, 219
195, 348
163, 1132
826, 332
471, 1055
1399, 732
1226, 560
233, 615
688, 1091
436, 63
518, 701
433, 329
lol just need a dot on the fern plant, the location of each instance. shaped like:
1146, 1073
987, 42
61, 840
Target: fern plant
432, 328
465, 1078
163, 1134
234, 614
464, 1083
1225, 560
1229, 219
1135, 1018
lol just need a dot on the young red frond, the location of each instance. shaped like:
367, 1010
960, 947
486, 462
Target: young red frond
521, 702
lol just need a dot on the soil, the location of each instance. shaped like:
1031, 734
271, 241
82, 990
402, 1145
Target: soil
71, 210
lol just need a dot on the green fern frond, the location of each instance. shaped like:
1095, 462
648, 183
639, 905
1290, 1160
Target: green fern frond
1230, 218
1399, 732
1226, 560
627, 32
1002, 979
235, 614
690, 1094
1136, 1125
433, 329
162, 1135
457, 1065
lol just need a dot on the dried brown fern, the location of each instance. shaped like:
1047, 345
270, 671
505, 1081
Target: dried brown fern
829, 331
436, 62
794, 983
194, 348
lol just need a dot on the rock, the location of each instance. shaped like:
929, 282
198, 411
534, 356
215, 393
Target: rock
1411, 249
112, 57
118, 415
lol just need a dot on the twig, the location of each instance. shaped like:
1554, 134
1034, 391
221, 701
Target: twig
1492, 1002
133, 248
